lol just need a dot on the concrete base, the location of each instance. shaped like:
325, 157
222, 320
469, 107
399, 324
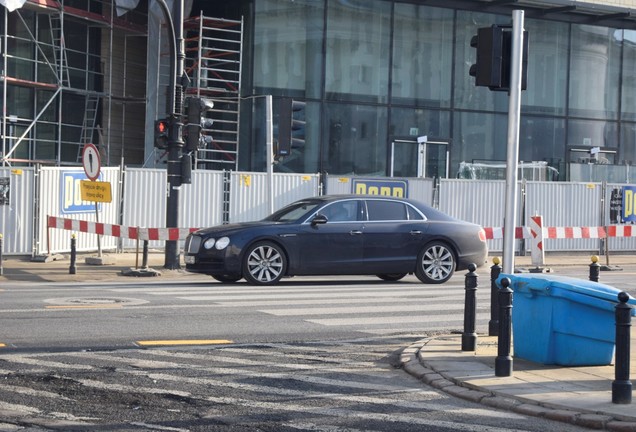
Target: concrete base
541, 270
141, 272
610, 268
102, 260
48, 258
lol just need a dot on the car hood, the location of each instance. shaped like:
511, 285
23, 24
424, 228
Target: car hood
232, 228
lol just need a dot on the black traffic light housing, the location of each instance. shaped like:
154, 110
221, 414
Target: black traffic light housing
196, 109
162, 133
291, 126
494, 55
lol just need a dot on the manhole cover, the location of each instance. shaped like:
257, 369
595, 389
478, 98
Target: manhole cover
95, 301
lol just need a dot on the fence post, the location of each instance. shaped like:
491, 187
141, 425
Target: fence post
493, 324
1, 257
595, 269
503, 362
469, 337
72, 269
622, 386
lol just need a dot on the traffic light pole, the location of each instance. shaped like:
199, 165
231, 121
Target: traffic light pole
514, 112
175, 142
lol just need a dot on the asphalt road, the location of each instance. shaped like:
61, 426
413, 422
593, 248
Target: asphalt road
191, 356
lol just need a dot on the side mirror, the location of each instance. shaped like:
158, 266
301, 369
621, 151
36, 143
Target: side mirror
319, 219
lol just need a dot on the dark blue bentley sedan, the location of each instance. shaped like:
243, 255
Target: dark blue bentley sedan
339, 235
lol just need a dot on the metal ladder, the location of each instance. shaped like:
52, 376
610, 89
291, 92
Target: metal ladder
91, 105
59, 49
213, 64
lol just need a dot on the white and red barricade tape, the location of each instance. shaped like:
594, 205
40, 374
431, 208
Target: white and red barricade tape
121, 231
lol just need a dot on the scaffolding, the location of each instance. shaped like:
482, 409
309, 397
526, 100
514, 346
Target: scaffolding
70, 76
213, 66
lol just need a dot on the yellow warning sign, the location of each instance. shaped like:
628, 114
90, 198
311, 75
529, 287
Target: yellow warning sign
95, 191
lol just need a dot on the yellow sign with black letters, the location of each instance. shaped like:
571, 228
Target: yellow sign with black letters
95, 191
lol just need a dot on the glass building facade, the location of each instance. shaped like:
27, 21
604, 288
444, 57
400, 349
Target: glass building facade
375, 72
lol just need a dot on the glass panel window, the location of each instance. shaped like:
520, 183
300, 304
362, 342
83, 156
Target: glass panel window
422, 55
594, 71
628, 91
356, 139
587, 134
628, 144
547, 67
415, 122
288, 47
358, 41
480, 138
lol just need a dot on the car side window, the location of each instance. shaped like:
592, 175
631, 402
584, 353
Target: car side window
414, 214
379, 210
341, 211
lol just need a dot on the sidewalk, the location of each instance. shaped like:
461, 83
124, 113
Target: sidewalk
576, 395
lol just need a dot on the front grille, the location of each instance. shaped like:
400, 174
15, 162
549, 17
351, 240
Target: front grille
192, 245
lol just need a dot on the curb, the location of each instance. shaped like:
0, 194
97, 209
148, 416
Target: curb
414, 365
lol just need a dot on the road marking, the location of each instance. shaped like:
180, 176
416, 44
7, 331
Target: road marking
184, 342
96, 306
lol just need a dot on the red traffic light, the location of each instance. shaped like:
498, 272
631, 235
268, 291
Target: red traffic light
162, 133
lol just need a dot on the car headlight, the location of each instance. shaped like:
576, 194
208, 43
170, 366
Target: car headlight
209, 243
222, 243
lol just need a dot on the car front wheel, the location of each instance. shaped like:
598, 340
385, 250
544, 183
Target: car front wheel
264, 264
435, 263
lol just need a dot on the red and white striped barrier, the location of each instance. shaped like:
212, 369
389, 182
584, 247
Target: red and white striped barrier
121, 231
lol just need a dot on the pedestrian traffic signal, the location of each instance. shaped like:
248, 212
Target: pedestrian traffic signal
494, 54
198, 122
291, 126
162, 133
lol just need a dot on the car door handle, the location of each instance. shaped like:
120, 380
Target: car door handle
355, 232
415, 232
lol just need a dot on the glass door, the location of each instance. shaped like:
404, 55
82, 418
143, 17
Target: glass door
418, 157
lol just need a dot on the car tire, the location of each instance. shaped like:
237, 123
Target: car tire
391, 277
227, 278
264, 263
435, 263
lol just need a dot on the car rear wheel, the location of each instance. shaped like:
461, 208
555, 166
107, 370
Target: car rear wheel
391, 277
264, 264
435, 263
227, 278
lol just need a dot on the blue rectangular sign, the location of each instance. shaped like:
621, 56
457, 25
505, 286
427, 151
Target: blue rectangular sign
71, 194
629, 204
394, 188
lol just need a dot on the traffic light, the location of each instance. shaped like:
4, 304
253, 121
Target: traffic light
162, 133
494, 53
196, 109
291, 126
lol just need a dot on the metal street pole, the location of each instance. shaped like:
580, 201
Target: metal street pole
514, 111
175, 145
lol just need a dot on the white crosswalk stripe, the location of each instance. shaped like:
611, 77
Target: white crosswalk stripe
377, 308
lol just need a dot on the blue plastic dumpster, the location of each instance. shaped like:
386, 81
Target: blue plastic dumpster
562, 320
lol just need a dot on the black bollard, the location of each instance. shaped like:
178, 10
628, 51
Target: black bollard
493, 324
469, 337
622, 386
1, 258
595, 269
72, 269
503, 362
144, 259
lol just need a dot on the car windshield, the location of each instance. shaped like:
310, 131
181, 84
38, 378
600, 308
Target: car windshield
293, 212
